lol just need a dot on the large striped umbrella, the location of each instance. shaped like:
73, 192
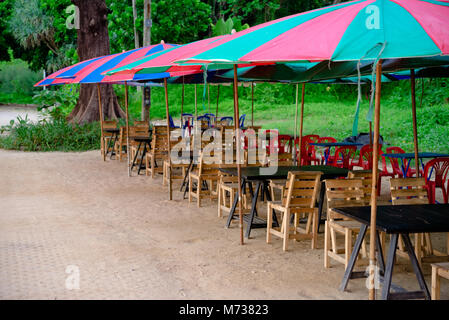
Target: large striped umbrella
352, 31
90, 71
365, 29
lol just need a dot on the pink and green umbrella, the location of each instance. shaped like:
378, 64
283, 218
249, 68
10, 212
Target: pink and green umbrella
356, 30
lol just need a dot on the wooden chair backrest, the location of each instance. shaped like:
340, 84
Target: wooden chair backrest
122, 137
302, 189
343, 193
110, 124
207, 165
139, 123
408, 191
159, 141
367, 180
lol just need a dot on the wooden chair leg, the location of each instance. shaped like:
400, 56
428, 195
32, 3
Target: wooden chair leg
190, 189
219, 201
269, 222
333, 239
286, 229
348, 246
418, 248
435, 283
198, 193
327, 240
314, 228
147, 166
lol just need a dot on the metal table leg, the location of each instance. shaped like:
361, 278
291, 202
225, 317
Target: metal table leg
234, 205
253, 210
144, 151
135, 157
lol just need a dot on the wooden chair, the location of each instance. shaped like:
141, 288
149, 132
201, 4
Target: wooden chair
341, 193
300, 198
121, 145
158, 152
413, 191
439, 270
178, 170
107, 124
227, 189
204, 178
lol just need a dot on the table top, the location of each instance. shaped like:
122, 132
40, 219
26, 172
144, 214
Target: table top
403, 218
335, 144
421, 155
255, 173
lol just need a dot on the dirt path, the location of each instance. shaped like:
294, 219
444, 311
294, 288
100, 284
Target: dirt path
128, 241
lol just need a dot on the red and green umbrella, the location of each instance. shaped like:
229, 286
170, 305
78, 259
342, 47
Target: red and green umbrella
366, 29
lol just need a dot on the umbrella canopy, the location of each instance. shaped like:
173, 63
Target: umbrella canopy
356, 30
156, 65
339, 72
90, 71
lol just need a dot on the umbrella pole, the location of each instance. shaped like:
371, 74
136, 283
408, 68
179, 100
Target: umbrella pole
296, 124
218, 98
182, 102
208, 96
252, 104
170, 190
370, 133
100, 109
301, 122
127, 129
415, 127
372, 251
239, 169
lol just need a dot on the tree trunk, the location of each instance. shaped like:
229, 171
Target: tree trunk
93, 41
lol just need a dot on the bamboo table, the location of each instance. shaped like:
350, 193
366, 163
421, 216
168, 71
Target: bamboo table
396, 220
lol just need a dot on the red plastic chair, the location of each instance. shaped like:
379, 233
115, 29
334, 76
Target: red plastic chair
365, 159
395, 163
343, 157
267, 142
440, 168
282, 144
307, 151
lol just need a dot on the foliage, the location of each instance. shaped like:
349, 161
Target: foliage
58, 103
223, 27
50, 135
17, 79
180, 21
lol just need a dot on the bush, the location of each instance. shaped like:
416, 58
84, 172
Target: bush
50, 135
17, 79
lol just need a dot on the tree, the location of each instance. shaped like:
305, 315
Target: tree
93, 41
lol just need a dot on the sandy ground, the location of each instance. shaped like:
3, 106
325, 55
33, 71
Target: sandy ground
65, 210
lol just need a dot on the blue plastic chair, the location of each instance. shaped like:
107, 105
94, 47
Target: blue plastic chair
205, 118
230, 119
172, 123
242, 120
186, 123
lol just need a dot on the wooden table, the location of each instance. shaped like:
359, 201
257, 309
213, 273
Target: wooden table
396, 220
261, 176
